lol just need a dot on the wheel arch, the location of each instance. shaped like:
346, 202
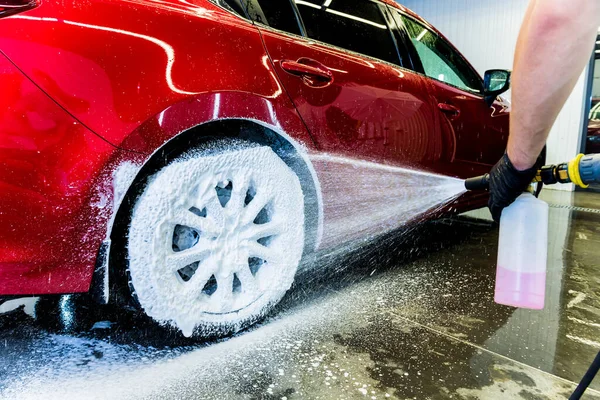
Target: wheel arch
294, 153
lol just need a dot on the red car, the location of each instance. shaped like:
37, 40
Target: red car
191, 155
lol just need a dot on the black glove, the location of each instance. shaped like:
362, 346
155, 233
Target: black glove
506, 184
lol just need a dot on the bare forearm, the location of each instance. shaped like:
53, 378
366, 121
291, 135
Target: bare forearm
554, 45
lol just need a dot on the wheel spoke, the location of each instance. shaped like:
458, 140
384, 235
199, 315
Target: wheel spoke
241, 183
206, 269
199, 252
248, 281
202, 224
214, 209
259, 231
222, 298
256, 206
258, 250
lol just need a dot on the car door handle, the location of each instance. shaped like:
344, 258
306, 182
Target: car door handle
450, 110
303, 68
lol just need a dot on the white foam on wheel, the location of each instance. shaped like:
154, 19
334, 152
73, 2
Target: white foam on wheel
228, 237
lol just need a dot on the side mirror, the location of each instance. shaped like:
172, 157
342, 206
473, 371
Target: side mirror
495, 82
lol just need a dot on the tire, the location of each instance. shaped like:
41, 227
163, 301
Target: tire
215, 239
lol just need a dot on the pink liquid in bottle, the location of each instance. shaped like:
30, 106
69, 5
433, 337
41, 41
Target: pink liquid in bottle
520, 289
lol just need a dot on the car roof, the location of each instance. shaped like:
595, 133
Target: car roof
406, 10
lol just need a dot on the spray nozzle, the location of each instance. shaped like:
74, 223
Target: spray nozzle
582, 170
478, 183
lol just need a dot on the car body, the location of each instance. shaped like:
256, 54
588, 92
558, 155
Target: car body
96, 94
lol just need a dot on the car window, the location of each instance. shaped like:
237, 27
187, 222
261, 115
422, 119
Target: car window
595, 112
440, 61
353, 25
278, 14
234, 6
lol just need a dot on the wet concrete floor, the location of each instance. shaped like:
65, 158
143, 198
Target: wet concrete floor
411, 317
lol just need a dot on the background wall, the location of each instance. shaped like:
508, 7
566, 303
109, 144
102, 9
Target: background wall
486, 32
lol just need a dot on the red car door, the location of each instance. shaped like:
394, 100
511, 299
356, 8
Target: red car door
480, 131
355, 105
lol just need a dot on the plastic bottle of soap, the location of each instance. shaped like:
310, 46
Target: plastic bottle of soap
522, 253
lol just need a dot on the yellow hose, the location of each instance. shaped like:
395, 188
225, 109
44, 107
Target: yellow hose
573, 169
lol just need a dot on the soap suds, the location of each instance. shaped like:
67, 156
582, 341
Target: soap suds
228, 234
28, 304
579, 297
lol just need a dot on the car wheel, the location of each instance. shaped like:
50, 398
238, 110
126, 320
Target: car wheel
215, 239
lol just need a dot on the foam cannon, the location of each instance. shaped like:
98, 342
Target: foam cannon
582, 170
523, 236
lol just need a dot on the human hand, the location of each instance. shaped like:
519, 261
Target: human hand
506, 184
